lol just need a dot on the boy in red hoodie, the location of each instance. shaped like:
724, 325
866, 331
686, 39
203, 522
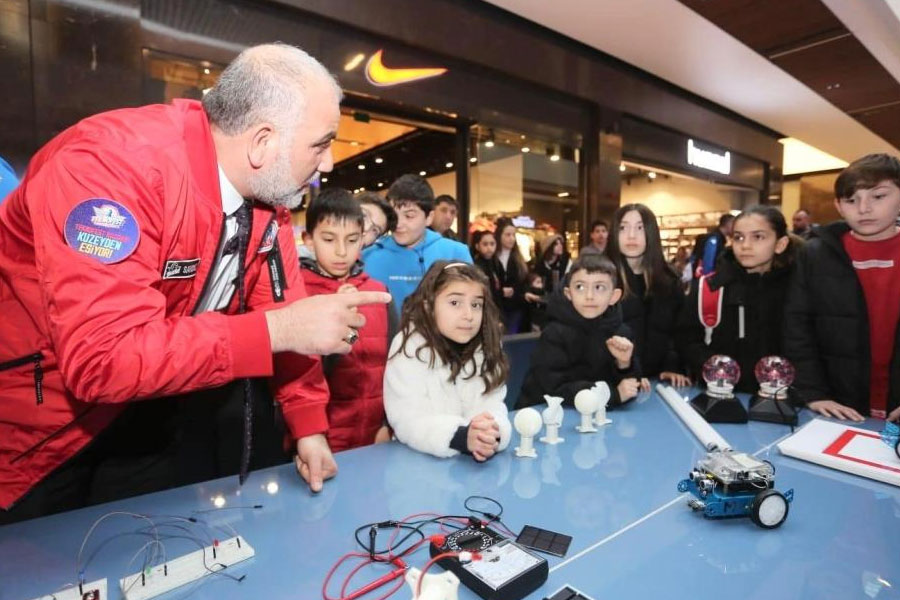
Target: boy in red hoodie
334, 234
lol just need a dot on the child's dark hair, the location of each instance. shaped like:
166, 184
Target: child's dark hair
383, 205
418, 316
593, 263
333, 203
725, 219
865, 173
534, 276
476, 239
658, 275
413, 189
777, 222
446, 199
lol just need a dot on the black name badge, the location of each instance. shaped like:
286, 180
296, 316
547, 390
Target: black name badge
181, 269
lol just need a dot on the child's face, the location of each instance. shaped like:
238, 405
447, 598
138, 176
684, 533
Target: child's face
756, 243
872, 213
591, 293
374, 225
486, 246
458, 310
411, 223
337, 244
632, 240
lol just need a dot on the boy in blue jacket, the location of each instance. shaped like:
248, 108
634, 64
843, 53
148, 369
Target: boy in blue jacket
401, 260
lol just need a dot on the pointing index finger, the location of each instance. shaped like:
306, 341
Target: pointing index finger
361, 298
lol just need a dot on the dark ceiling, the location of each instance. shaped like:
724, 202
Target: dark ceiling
806, 40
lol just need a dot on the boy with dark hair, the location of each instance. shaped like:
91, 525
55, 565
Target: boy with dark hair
585, 340
334, 231
842, 308
401, 260
599, 237
445, 209
380, 217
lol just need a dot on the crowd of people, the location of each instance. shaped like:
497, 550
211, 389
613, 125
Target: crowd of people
141, 264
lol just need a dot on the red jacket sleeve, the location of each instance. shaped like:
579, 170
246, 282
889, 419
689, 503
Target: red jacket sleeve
299, 384
108, 322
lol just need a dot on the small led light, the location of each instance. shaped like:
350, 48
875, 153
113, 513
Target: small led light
218, 501
379, 160
422, 173
272, 487
361, 167
449, 165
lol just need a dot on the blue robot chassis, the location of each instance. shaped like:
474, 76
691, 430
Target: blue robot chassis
734, 484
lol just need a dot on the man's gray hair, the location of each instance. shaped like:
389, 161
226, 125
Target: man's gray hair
267, 83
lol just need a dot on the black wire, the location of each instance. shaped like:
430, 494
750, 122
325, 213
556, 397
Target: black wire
413, 528
490, 516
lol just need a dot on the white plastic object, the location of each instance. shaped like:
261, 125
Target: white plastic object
708, 436
95, 590
435, 586
553, 418
601, 389
185, 569
586, 402
527, 423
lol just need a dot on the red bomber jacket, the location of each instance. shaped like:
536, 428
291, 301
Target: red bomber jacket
105, 250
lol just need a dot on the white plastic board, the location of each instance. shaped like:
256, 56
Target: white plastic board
849, 449
95, 590
185, 569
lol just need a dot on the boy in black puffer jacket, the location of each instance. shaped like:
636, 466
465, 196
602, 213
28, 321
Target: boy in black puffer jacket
584, 341
842, 315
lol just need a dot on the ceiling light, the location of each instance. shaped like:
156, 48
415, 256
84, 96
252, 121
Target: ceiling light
354, 62
651, 174
361, 167
206, 71
563, 195
474, 159
526, 149
554, 157
324, 180
449, 165
380, 184
522, 136
422, 173
622, 167
489, 144
379, 160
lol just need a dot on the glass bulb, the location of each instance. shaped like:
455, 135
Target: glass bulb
775, 375
721, 370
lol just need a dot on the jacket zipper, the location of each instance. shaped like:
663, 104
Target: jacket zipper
68, 425
38, 372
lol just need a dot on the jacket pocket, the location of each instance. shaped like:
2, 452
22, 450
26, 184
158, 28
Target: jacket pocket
38, 372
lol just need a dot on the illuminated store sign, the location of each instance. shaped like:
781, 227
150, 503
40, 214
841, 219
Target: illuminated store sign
706, 159
378, 74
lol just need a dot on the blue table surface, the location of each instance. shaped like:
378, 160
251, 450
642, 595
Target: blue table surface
613, 491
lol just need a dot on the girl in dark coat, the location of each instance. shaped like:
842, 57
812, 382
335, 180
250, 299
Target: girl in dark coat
652, 298
483, 255
512, 270
754, 275
553, 263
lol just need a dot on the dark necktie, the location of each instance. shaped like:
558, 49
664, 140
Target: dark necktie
239, 243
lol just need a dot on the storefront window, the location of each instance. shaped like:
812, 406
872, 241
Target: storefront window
533, 180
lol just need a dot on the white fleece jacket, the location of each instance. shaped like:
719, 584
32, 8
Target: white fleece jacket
425, 409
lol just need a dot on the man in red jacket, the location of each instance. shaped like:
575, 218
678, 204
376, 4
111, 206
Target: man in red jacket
148, 253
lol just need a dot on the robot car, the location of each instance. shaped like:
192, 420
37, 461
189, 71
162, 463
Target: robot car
735, 484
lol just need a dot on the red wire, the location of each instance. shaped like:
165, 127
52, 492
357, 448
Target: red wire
428, 566
389, 557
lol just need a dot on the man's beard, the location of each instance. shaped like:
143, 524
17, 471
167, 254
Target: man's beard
275, 186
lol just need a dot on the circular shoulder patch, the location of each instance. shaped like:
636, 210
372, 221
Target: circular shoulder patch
102, 229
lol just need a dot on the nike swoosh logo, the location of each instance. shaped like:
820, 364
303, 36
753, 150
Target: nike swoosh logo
383, 76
